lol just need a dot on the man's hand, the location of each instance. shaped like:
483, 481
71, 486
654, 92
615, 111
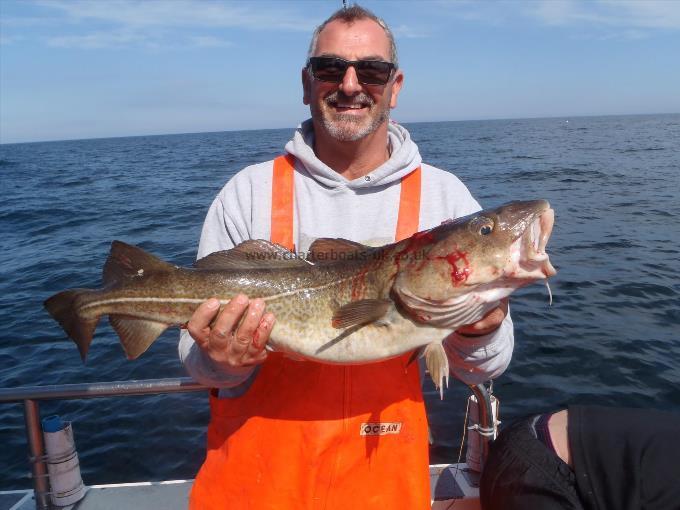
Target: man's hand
490, 322
239, 334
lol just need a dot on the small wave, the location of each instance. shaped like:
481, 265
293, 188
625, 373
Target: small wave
643, 290
644, 149
527, 157
7, 162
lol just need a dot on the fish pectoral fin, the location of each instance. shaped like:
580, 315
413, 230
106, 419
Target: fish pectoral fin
438, 365
360, 312
136, 335
251, 254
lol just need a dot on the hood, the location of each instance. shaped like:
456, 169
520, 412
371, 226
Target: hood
403, 160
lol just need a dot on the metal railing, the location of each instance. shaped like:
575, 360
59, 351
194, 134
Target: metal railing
31, 395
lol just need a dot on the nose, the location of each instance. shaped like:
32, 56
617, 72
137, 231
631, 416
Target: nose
350, 85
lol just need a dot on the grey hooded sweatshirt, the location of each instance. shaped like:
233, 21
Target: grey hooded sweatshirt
364, 210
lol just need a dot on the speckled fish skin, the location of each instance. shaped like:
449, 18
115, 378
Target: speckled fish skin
371, 304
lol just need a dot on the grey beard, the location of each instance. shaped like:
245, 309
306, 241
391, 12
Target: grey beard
345, 127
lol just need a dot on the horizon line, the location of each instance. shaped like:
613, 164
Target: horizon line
567, 117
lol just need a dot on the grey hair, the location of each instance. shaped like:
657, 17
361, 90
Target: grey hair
349, 15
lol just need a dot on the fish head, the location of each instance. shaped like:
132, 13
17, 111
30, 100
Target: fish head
491, 253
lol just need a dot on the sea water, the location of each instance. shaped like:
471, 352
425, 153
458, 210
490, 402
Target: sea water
611, 336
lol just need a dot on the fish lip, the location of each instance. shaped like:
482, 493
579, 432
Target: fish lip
529, 258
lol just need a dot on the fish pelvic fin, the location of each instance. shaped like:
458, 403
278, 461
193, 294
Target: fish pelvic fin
63, 308
437, 365
136, 335
126, 262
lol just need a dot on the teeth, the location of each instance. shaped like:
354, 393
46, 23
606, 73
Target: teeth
547, 219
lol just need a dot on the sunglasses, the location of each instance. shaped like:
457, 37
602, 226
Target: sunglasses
333, 69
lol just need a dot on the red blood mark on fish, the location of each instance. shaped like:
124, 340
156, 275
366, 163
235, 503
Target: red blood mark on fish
359, 286
416, 242
458, 274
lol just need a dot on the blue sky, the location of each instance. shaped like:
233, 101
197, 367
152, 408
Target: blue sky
100, 68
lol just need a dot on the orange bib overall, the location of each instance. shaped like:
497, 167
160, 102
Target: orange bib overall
309, 435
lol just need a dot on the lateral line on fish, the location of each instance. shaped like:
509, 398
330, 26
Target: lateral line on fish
103, 302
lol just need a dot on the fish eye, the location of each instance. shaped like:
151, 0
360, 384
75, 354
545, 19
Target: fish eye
482, 226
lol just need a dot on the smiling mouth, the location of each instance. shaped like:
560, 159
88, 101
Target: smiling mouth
348, 104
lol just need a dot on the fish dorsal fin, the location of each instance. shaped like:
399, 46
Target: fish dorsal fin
360, 312
126, 261
326, 249
251, 254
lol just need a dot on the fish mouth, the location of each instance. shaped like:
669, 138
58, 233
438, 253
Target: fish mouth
528, 258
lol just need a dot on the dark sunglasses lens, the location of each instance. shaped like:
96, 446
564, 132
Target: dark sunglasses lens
329, 69
373, 72
369, 72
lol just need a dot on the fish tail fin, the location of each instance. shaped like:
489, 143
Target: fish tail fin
63, 308
437, 363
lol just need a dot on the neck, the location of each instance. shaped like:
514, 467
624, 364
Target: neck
355, 159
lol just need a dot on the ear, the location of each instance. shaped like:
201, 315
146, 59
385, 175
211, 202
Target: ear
396, 87
306, 87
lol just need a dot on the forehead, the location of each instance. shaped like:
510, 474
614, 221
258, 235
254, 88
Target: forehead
363, 38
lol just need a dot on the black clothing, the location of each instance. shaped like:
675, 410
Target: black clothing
624, 459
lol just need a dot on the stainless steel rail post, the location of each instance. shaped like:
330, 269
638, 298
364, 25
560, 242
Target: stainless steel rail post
485, 418
41, 485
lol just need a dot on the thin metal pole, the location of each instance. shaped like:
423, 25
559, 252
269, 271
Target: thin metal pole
486, 424
100, 389
41, 486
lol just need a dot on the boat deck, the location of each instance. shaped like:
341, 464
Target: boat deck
447, 481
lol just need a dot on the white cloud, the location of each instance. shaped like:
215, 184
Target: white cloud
593, 14
408, 32
181, 13
631, 14
97, 40
90, 24
6, 40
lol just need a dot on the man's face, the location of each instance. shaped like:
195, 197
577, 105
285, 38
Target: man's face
350, 110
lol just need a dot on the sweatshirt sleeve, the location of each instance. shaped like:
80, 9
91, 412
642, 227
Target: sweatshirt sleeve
474, 360
226, 225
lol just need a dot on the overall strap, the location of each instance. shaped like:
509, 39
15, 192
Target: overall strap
283, 190
409, 205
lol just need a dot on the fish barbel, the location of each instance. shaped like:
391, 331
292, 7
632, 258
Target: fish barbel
348, 303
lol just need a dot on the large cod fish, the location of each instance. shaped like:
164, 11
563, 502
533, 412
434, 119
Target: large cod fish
346, 303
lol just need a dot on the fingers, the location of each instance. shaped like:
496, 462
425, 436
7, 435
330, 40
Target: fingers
256, 350
489, 323
199, 324
243, 337
238, 334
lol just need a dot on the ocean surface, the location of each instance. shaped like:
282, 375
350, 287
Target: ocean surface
611, 336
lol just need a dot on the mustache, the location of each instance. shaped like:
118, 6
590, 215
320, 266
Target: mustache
338, 96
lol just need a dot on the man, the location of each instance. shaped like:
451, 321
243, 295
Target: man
299, 434
585, 458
